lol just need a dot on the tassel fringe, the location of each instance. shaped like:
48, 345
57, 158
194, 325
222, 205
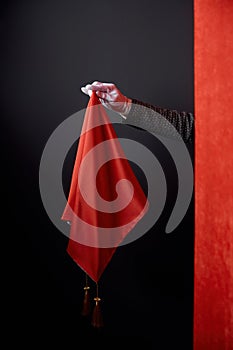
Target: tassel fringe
86, 310
97, 317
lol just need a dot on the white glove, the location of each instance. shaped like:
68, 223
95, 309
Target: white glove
110, 97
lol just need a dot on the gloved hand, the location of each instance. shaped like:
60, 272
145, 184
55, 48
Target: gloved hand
110, 97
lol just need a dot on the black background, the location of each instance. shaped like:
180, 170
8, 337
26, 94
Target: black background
49, 49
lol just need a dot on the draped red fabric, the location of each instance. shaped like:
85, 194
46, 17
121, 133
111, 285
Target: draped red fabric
105, 200
213, 280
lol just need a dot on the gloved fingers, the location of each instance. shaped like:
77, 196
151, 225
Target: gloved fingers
98, 86
107, 92
86, 91
104, 96
103, 85
109, 96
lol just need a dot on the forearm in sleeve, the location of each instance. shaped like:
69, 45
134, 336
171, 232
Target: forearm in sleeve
161, 121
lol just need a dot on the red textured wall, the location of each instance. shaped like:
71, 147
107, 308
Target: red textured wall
213, 77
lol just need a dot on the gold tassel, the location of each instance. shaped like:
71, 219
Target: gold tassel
86, 310
97, 317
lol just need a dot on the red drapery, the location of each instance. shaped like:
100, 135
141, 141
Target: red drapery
213, 280
100, 217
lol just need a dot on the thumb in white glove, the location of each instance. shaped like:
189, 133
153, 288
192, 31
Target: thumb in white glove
110, 97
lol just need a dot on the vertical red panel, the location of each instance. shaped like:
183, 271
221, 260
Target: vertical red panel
213, 66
